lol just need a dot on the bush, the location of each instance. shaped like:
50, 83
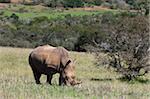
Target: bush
4, 1
63, 3
73, 3
53, 3
121, 4
97, 2
106, 4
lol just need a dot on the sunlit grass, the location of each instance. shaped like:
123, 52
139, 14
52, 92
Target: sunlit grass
52, 15
17, 82
28, 12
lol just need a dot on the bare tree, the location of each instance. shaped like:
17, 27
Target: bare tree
128, 38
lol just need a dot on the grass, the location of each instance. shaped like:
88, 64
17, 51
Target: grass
53, 15
17, 82
27, 12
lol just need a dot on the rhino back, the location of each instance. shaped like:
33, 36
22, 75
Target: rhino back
47, 56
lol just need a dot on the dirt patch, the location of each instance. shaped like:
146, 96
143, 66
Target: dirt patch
3, 5
94, 8
16, 1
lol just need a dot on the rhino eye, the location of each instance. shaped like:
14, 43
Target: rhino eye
66, 78
73, 77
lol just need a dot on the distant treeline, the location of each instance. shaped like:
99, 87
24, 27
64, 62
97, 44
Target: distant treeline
142, 5
74, 33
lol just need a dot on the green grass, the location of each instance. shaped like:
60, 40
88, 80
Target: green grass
17, 82
27, 12
49, 15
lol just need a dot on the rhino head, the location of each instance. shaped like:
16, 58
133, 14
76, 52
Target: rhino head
68, 74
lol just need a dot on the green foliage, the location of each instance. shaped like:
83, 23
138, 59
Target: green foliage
54, 3
106, 4
140, 5
143, 6
63, 3
39, 30
14, 16
97, 2
4, 1
28, 14
73, 3
74, 33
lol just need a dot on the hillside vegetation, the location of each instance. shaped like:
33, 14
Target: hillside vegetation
17, 82
28, 12
36, 25
123, 34
141, 5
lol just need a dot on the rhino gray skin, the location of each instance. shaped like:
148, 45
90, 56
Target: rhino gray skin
50, 60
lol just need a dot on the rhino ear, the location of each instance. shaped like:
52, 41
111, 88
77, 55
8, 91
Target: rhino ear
69, 61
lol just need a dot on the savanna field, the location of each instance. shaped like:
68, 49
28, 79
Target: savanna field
75, 28
17, 82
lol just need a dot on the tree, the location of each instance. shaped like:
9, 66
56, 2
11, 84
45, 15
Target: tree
141, 5
128, 38
73, 3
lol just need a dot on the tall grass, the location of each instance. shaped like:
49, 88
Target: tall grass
17, 82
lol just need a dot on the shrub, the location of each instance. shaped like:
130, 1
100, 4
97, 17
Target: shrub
4, 1
106, 4
73, 3
1, 12
52, 3
14, 16
97, 2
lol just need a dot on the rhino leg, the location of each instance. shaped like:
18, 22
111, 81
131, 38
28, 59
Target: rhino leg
61, 80
49, 79
37, 77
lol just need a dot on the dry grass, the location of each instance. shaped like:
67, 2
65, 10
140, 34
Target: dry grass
16, 80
